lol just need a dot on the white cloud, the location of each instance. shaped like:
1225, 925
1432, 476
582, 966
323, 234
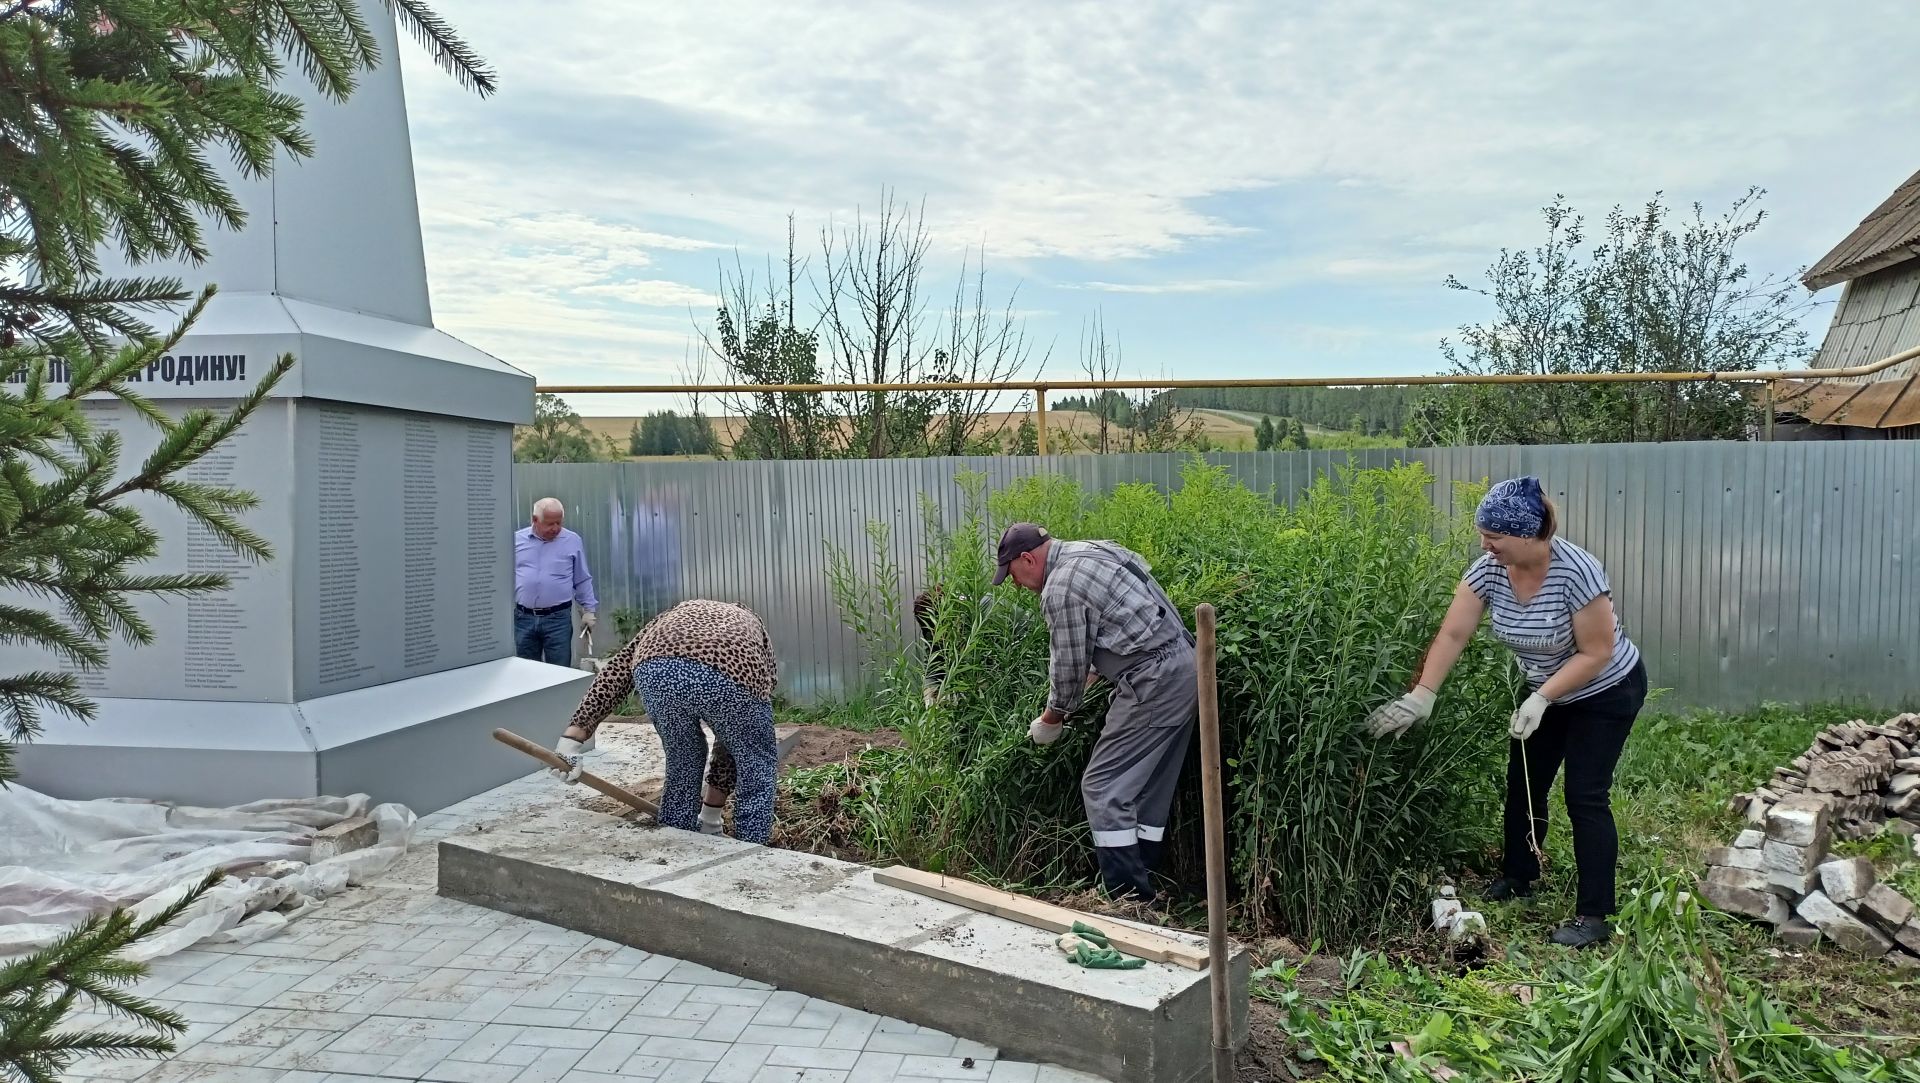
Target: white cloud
651, 293
1414, 266
1198, 285
1167, 148
1090, 131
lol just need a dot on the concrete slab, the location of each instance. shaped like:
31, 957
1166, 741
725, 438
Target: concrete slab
423, 742
825, 928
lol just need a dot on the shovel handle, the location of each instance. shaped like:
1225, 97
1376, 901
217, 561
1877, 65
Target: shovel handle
593, 781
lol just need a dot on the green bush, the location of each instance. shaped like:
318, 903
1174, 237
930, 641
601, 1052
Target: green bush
1324, 611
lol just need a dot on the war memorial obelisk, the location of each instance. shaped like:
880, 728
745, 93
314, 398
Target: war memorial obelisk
374, 653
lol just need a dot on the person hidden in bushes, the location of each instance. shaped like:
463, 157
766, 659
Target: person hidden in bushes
700, 661
1552, 606
1107, 617
925, 607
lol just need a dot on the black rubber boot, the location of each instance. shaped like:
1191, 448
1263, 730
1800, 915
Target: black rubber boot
1123, 873
1150, 854
1504, 889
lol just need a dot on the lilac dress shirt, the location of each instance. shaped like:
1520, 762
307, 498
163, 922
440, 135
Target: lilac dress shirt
550, 573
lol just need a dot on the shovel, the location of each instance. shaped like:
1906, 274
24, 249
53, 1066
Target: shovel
593, 781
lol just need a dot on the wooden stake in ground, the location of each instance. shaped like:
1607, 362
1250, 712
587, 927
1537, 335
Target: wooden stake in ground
1040, 915
593, 781
1213, 808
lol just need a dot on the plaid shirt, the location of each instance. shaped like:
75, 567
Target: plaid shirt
1091, 601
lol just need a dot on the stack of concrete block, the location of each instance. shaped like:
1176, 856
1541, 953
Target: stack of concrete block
1868, 775
1857, 780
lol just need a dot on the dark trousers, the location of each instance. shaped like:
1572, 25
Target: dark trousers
545, 637
1586, 736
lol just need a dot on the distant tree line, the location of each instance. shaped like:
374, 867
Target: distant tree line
1381, 410
558, 435
672, 433
1287, 434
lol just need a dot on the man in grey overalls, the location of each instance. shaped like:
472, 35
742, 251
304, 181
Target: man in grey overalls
1106, 616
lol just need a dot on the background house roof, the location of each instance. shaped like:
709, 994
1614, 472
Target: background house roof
1890, 235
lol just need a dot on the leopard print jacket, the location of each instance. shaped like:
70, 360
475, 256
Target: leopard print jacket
728, 637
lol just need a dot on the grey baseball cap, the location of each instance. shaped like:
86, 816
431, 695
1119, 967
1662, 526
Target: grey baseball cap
1018, 539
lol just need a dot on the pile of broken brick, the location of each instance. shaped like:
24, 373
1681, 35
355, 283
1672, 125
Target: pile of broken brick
1856, 781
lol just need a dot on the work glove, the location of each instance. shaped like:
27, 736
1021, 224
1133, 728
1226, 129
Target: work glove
713, 821
928, 692
1044, 732
1402, 714
1527, 718
591, 620
567, 749
1089, 947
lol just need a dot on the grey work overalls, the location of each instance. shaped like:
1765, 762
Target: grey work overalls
1130, 778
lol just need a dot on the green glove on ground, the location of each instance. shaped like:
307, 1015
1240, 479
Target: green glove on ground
1089, 947
1105, 959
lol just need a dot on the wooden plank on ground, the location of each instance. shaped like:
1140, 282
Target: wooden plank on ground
1040, 915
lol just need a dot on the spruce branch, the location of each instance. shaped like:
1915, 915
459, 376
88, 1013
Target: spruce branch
85, 965
448, 51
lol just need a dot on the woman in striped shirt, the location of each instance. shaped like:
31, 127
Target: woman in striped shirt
1551, 604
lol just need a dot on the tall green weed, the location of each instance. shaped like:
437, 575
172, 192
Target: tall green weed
1324, 609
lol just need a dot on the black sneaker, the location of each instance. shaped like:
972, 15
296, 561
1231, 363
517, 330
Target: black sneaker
1583, 932
1504, 889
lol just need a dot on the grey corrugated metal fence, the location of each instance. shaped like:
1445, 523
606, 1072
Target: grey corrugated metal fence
1746, 572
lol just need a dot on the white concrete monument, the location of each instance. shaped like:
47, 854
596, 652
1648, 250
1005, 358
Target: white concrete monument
375, 651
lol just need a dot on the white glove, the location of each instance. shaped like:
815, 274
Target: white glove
712, 820
928, 692
1527, 718
1044, 732
591, 620
567, 749
1402, 714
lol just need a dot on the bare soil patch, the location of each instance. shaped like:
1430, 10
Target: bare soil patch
817, 746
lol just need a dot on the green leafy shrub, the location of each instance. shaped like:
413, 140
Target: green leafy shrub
1659, 1007
1324, 611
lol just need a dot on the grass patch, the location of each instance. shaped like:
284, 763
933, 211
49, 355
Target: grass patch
1661, 1005
1656, 1003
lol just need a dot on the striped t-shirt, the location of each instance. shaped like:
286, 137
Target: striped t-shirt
1540, 633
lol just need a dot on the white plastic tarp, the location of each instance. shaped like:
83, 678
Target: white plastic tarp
62, 862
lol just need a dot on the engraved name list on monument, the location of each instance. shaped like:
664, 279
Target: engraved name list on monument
340, 481
423, 528
488, 538
216, 623
219, 644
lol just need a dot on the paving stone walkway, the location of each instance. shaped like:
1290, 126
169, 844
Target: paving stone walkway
392, 982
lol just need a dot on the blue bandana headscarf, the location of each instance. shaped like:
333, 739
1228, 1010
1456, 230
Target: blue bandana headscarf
1515, 507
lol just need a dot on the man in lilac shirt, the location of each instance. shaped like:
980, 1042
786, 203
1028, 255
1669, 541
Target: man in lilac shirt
549, 576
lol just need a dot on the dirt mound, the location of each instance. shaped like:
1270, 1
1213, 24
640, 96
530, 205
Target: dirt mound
812, 746
816, 746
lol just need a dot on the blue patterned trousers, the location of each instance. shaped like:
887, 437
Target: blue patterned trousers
679, 695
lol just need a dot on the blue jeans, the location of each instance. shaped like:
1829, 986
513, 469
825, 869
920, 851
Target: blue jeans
547, 638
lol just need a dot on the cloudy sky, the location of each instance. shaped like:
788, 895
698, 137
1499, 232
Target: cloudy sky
1246, 188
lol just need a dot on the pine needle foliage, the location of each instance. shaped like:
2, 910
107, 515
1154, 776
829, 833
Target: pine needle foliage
112, 113
83, 969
